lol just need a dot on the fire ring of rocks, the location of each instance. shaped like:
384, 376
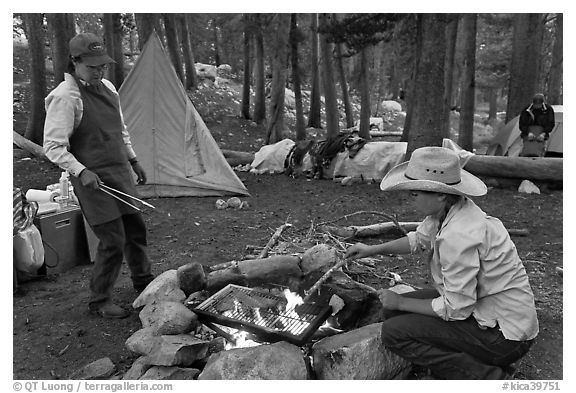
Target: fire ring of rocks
177, 343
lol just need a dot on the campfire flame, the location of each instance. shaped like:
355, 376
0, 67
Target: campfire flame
289, 320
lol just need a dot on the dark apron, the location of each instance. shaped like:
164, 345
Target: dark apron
97, 143
533, 148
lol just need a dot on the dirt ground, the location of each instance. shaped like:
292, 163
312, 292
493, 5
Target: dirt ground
53, 334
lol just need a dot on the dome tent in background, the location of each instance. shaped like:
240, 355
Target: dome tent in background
507, 141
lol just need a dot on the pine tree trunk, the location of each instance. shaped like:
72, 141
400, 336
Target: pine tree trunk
146, 24
332, 113
33, 27
113, 40
451, 36
245, 110
524, 68
427, 120
172, 43
300, 125
556, 69
190, 69
314, 116
61, 28
364, 131
259, 74
344, 87
216, 43
275, 127
466, 133
410, 95
492, 103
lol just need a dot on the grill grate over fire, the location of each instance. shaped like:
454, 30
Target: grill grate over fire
269, 317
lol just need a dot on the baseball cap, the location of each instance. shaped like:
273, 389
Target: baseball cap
90, 48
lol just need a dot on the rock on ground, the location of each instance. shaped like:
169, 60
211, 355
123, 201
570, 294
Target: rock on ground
170, 373
178, 350
168, 318
142, 341
100, 369
191, 278
139, 368
357, 354
164, 287
281, 360
318, 257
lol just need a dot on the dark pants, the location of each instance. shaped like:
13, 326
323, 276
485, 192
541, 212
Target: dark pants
450, 349
125, 236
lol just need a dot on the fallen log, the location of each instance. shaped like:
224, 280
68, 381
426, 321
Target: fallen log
381, 229
28, 145
236, 158
389, 229
530, 168
378, 134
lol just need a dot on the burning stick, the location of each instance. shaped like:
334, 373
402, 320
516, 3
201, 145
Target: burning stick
230, 338
388, 216
322, 279
273, 240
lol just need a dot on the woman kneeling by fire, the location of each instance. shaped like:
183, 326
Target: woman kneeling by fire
480, 317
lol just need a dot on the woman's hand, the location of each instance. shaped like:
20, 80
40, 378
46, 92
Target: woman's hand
390, 300
359, 250
139, 171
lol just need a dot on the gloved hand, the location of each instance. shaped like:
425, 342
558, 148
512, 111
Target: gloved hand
531, 136
89, 179
358, 250
139, 171
541, 137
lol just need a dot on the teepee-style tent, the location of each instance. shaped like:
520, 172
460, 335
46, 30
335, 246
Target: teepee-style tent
508, 142
173, 145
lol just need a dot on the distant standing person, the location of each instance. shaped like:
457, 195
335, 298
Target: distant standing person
536, 122
85, 134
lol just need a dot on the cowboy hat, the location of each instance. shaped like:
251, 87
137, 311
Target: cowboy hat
433, 169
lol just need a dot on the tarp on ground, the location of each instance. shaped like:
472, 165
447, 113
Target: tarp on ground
173, 145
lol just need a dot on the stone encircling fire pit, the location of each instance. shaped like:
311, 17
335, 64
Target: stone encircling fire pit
246, 320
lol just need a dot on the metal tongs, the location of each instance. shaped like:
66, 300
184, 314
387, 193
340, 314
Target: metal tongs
107, 190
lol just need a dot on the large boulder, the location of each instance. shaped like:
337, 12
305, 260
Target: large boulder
389, 106
170, 373
319, 257
99, 369
281, 360
142, 341
357, 354
191, 278
206, 71
280, 269
178, 350
168, 318
164, 287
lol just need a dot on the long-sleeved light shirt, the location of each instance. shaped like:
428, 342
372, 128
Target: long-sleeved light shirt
477, 271
64, 111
